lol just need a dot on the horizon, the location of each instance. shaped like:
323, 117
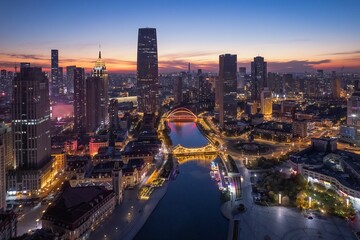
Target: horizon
292, 37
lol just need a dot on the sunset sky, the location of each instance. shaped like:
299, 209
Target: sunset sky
293, 36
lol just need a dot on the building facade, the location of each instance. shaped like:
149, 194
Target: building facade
258, 77
31, 129
54, 72
97, 98
147, 71
227, 85
79, 100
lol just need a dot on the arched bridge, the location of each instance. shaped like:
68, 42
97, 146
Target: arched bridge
181, 151
181, 114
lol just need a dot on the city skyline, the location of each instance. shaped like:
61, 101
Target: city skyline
293, 37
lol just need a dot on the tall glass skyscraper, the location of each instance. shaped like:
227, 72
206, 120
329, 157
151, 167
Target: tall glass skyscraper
79, 98
147, 71
227, 88
258, 77
54, 73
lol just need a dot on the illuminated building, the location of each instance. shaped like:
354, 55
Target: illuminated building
97, 98
7, 139
258, 77
266, 102
353, 110
147, 71
54, 72
79, 100
69, 84
31, 131
83, 213
227, 85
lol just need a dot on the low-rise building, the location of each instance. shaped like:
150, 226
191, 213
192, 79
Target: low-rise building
78, 211
325, 164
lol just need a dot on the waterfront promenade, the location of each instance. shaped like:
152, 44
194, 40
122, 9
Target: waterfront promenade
128, 218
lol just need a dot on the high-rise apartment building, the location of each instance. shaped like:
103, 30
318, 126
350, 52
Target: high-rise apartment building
258, 77
7, 139
147, 71
54, 72
97, 98
79, 99
227, 85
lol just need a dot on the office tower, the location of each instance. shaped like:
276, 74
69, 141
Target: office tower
147, 71
54, 73
7, 139
70, 79
178, 90
31, 130
2, 176
31, 118
97, 99
258, 77
227, 88
24, 65
201, 88
114, 121
61, 81
79, 99
241, 78
266, 102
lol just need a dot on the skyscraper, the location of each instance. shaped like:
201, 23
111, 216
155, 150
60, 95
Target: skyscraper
2, 176
70, 79
79, 99
353, 110
97, 98
227, 88
178, 88
7, 139
61, 81
54, 72
147, 71
258, 77
31, 130
241, 79
266, 102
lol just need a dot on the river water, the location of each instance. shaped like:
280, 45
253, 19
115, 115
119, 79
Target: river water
191, 207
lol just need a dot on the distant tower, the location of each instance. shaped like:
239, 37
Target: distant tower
79, 99
147, 71
178, 88
116, 181
2, 176
70, 79
189, 68
97, 98
54, 73
258, 77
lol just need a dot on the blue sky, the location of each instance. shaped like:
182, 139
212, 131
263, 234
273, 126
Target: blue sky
291, 35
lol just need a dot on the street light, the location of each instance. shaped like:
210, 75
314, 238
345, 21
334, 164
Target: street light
280, 198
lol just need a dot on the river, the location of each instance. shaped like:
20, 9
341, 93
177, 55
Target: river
191, 207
